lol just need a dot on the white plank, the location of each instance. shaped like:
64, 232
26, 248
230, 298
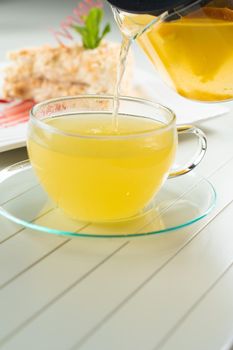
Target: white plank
11, 157
220, 143
28, 247
51, 278
12, 197
13, 186
210, 325
6, 159
28, 212
93, 299
7, 229
146, 318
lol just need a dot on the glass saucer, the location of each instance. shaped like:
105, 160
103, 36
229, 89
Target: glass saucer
181, 202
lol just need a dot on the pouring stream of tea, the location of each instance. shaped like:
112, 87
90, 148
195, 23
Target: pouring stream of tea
125, 46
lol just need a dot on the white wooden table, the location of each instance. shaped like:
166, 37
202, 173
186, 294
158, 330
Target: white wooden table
168, 292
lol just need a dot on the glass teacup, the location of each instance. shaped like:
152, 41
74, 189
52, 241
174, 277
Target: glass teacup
95, 172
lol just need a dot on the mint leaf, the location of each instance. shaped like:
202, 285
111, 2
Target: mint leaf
106, 30
85, 37
93, 21
90, 32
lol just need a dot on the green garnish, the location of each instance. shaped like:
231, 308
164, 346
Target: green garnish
90, 32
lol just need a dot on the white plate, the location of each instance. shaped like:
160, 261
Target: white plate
13, 137
151, 87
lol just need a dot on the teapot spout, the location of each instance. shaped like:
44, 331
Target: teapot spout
132, 25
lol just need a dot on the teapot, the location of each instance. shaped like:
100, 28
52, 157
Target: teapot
189, 42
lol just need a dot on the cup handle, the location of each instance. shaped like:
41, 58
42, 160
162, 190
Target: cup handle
191, 129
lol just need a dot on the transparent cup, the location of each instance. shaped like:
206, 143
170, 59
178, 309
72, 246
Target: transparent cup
95, 172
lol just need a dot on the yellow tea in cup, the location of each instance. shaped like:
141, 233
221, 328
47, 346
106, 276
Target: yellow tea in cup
95, 173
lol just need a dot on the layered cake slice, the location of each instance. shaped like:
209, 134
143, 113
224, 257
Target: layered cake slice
49, 72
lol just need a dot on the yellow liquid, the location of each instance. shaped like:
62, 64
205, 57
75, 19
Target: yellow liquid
103, 178
194, 56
